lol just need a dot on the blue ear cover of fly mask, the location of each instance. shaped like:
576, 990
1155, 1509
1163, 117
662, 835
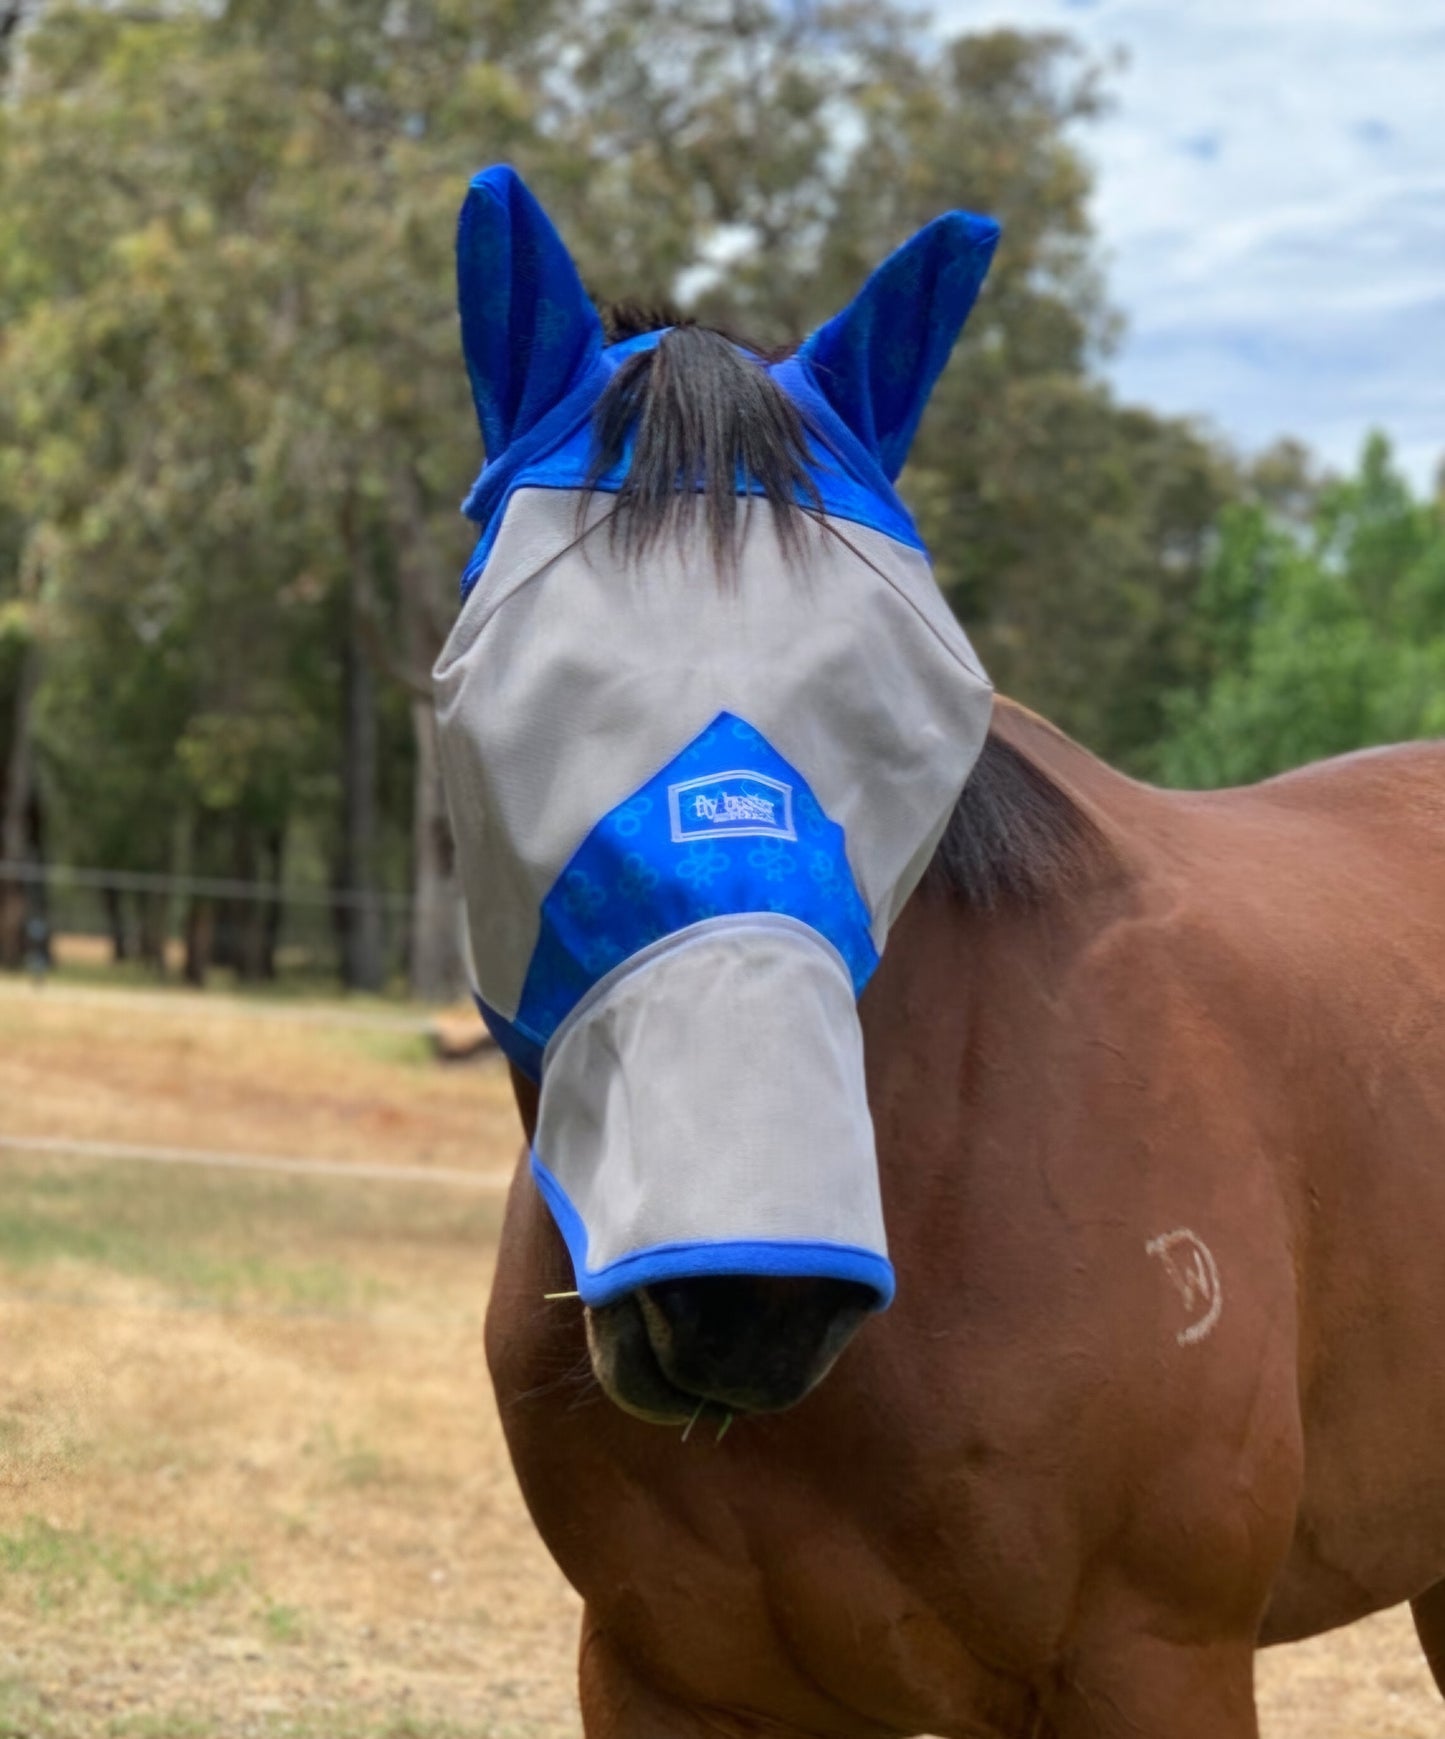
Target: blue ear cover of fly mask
530, 334
877, 362
537, 363
687, 814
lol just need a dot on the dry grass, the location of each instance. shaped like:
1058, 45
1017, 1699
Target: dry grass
1367, 1682
179, 1071
243, 1495
251, 1479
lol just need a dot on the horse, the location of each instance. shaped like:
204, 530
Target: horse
1156, 1084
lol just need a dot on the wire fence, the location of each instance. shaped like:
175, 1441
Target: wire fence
316, 1171
207, 1159
61, 877
66, 915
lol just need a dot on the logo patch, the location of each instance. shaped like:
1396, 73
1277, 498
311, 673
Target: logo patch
740, 804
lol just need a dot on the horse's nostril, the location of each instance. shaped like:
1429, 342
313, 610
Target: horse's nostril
704, 1316
681, 1306
748, 1341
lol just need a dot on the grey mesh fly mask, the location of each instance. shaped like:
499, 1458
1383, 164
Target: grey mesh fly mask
688, 814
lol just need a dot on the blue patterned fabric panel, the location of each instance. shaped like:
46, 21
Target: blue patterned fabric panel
727, 827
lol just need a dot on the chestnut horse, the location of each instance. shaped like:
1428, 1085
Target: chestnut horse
1158, 1081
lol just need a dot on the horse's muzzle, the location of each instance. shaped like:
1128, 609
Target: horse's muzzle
743, 1344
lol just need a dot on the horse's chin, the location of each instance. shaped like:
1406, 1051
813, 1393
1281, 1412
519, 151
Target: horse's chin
627, 1369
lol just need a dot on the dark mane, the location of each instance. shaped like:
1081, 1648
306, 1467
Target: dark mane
1015, 837
701, 415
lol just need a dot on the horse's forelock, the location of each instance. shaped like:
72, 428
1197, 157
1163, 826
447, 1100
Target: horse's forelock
708, 428
700, 413
624, 320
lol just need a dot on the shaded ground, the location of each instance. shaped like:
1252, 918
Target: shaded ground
251, 1480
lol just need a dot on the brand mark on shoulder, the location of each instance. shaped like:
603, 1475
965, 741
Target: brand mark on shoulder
1190, 1265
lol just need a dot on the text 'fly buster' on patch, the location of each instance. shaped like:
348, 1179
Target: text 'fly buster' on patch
742, 804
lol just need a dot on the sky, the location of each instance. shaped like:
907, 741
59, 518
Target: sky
1270, 202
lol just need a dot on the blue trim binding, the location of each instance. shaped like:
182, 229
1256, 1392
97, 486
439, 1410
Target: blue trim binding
806, 1259
516, 1047
557, 454
537, 361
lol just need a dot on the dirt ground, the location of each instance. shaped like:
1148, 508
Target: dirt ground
251, 1479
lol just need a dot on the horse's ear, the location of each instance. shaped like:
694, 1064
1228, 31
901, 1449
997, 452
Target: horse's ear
529, 330
877, 361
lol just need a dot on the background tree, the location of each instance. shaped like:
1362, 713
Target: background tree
1317, 636
234, 426
1069, 531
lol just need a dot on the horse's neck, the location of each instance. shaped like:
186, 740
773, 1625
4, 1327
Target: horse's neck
1122, 824
1110, 799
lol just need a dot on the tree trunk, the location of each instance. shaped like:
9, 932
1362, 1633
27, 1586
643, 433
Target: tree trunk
200, 940
114, 904
12, 16
274, 910
438, 968
249, 913
16, 837
438, 961
364, 964
154, 911
43, 937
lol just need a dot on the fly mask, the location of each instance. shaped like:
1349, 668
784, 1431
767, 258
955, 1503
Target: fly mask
688, 812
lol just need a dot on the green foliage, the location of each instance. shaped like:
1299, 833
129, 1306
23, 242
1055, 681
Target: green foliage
1317, 637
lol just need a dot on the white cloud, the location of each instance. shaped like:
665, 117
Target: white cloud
1271, 201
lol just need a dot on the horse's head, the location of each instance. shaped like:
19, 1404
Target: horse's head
704, 715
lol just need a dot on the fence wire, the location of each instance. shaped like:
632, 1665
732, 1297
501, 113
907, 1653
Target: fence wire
259, 929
